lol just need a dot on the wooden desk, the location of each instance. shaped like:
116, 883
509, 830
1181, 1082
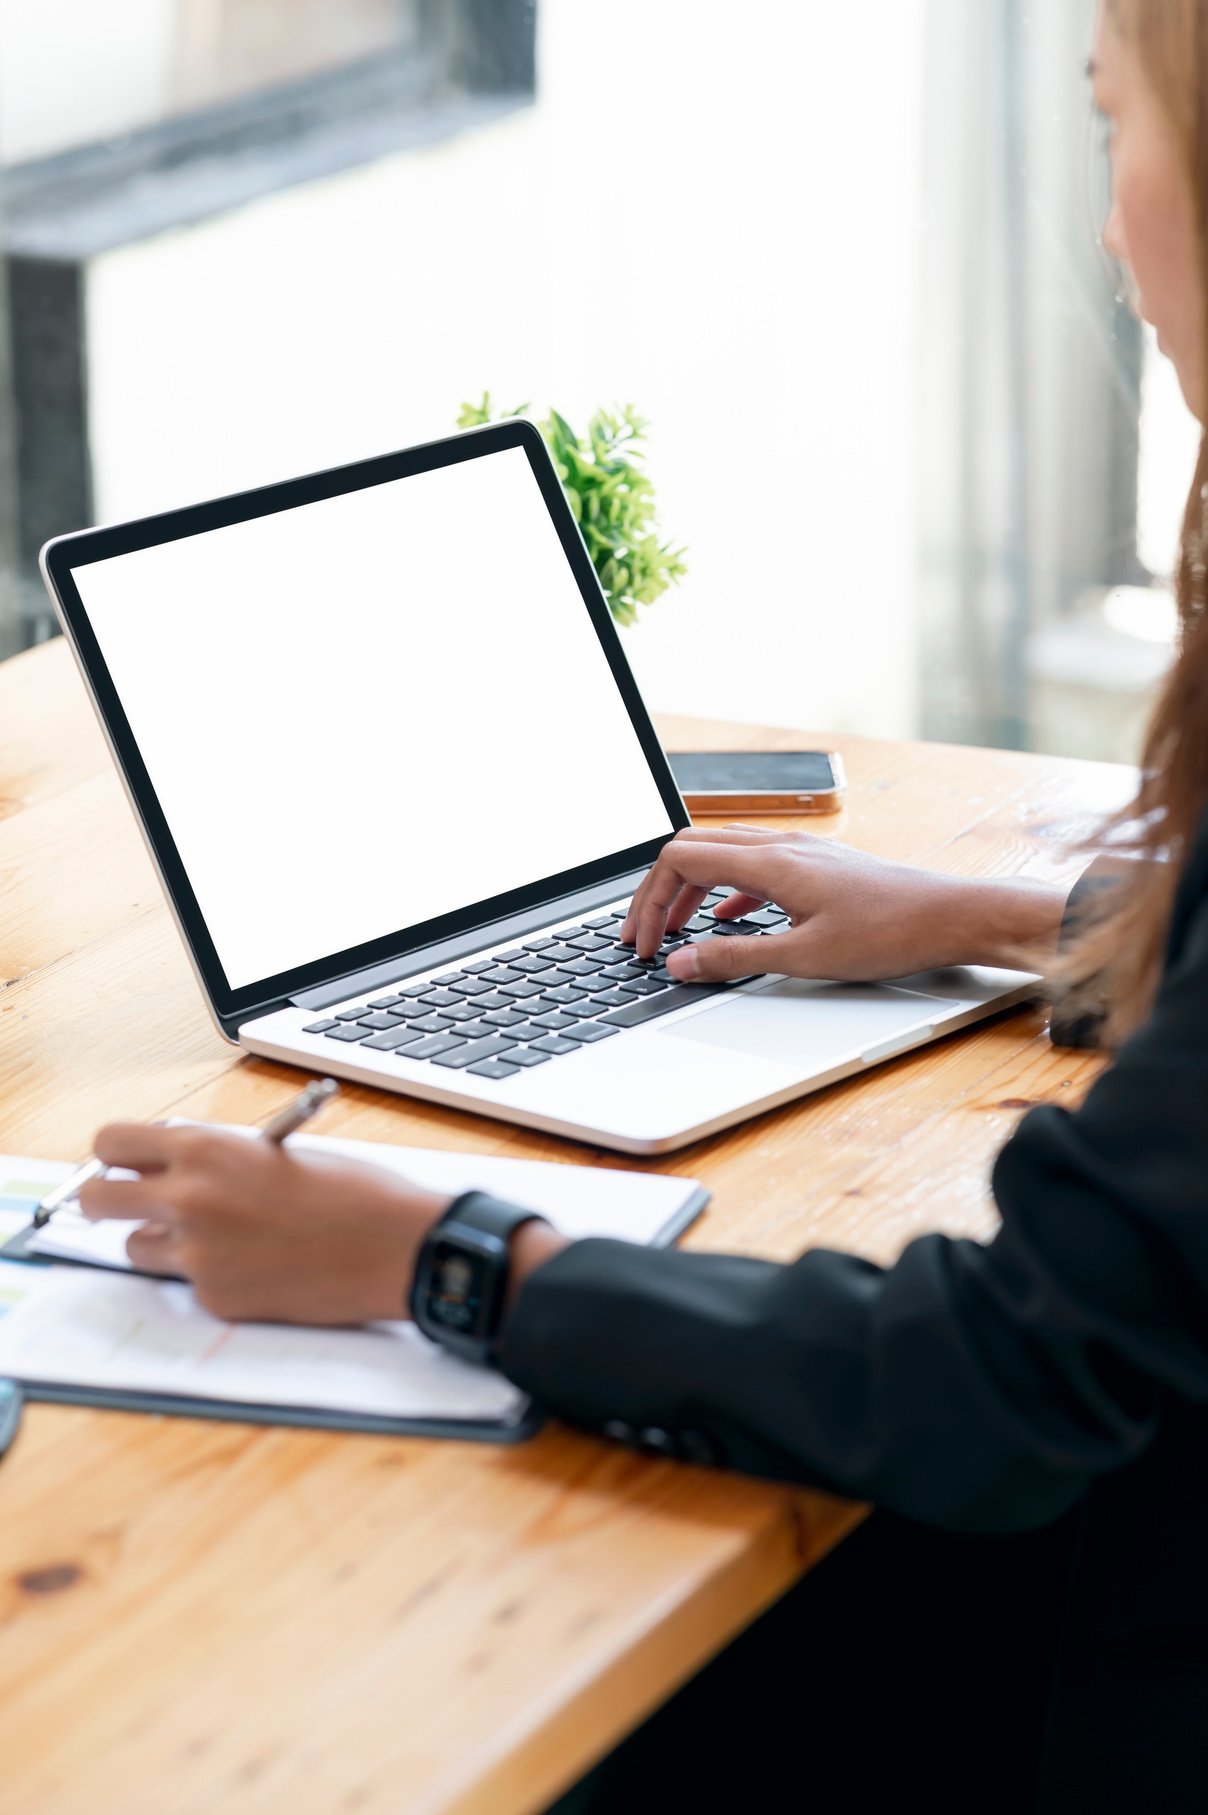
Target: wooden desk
208, 1617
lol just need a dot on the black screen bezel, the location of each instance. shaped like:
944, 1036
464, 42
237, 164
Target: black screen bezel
62, 556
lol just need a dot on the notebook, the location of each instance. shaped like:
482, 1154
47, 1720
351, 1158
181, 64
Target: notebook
78, 1325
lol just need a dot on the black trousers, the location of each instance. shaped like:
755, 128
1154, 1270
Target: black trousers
909, 1662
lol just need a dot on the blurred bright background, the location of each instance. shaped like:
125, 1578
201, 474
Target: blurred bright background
928, 471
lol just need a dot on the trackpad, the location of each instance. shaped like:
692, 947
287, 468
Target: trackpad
807, 1024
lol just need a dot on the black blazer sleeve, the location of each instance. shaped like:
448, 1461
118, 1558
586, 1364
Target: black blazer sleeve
1082, 1030
975, 1387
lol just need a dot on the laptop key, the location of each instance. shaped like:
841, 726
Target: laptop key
464, 1011
560, 954
583, 1011
479, 965
350, 1014
432, 1048
471, 986
320, 1027
620, 972
450, 977
412, 1010
549, 1024
562, 998
392, 1041
555, 1044
734, 929
643, 986
539, 945
434, 1024
505, 1017
473, 1054
594, 926
520, 991
523, 1055
589, 942
440, 998
415, 989
585, 967
506, 957
590, 1031
378, 1023
647, 1008
385, 1001
531, 962
502, 974
610, 999
494, 1068
349, 1031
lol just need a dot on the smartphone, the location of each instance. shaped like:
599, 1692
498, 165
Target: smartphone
760, 781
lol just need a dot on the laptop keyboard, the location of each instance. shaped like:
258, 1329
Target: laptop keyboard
543, 1000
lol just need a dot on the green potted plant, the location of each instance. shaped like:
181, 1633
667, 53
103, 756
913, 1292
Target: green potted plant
612, 498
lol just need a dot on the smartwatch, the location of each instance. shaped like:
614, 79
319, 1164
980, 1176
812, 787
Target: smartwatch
461, 1277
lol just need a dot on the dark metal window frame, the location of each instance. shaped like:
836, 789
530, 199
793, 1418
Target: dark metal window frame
472, 61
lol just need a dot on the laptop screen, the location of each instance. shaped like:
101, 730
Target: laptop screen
367, 711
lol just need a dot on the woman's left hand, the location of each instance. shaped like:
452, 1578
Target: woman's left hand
263, 1233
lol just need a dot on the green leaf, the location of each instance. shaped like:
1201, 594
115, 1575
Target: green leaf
611, 497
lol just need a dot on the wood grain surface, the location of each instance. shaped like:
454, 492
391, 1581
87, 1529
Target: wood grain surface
209, 1617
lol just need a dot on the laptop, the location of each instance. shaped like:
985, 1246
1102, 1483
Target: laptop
399, 785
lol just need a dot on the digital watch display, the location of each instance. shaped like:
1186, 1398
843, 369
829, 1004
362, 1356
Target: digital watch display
461, 1278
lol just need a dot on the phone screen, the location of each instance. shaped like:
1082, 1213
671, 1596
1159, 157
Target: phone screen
753, 772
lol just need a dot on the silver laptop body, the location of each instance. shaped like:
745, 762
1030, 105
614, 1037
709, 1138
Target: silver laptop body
399, 785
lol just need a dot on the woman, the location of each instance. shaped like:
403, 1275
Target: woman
1053, 1382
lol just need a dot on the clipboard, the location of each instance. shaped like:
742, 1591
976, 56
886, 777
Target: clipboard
96, 1303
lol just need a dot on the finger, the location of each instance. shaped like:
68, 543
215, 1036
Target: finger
683, 908
153, 1249
733, 907
135, 1146
628, 932
738, 833
127, 1200
707, 866
710, 835
717, 960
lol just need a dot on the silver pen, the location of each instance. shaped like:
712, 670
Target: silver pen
54, 1200
286, 1122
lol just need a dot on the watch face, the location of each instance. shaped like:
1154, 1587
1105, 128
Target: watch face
457, 1288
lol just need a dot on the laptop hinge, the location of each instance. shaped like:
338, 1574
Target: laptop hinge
451, 951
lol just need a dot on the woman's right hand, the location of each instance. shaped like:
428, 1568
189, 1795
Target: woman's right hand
852, 917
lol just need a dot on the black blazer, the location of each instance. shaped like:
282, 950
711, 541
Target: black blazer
981, 1388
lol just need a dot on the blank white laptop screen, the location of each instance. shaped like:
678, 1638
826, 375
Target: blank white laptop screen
364, 713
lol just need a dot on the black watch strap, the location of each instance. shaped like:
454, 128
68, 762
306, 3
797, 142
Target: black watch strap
490, 1214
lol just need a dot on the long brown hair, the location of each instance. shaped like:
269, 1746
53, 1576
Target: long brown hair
1115, 965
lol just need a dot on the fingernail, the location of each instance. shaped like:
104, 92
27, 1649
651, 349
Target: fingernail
685, 963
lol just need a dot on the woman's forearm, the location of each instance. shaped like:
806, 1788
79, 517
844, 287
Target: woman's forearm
1010, 921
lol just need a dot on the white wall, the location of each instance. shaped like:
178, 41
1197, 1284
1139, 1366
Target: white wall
74, 70
712, 213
